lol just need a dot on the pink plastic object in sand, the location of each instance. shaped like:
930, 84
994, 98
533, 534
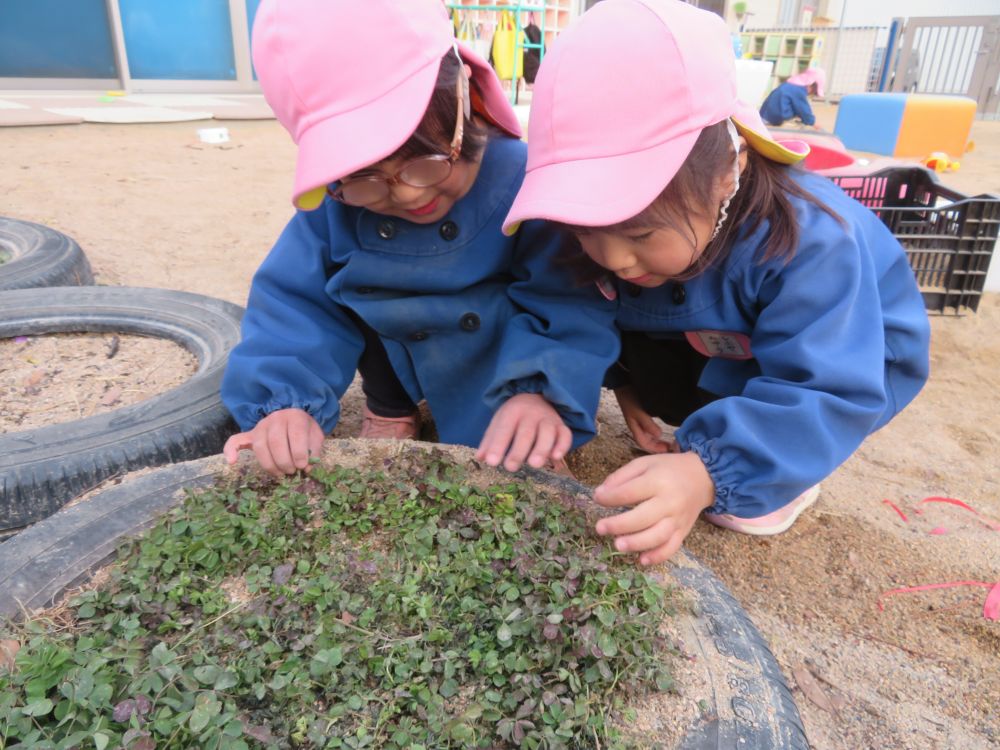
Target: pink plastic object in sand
825, 151
823, 157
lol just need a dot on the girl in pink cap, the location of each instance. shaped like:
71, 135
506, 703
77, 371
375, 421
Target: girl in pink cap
395, 264
772, 318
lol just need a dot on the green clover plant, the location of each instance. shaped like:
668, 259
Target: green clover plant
394, 608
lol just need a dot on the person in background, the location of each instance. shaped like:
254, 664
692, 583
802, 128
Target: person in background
409, 156
790, 100
773, 319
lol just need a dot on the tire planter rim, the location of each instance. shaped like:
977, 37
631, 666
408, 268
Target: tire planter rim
750, 704
43, 468
39, 256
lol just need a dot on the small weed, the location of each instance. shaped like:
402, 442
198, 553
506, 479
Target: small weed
398, 608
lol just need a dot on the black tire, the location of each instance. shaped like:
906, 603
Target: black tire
42, 469
36, 255
63, 550
750, 706
753, 707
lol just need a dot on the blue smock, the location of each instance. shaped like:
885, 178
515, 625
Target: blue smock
787, 102
467, 315
808, 356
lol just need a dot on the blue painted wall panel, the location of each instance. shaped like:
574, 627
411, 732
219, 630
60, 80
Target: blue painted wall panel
178, 39
56, 39
251, 15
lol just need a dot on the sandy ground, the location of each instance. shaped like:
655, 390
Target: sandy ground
59, 377
152, 206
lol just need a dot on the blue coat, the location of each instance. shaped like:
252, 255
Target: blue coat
468, 316
787, 102
809, 356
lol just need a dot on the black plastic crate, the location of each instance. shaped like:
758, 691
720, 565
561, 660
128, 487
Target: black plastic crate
949, 237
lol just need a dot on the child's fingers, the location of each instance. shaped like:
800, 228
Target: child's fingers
640, 518
631, 492
627, 473
644, 532
495, 441
497, 437
263, 453
315, 439
647, 433
281, 454
298, 444
524, 438
663, 552
652, 442
545, 439
236, 443
564, 441
646, 423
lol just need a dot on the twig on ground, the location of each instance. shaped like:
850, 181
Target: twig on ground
912, 652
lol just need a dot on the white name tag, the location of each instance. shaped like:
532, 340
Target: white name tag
726, 344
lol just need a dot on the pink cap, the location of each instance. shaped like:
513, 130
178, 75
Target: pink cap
618, 104
809, 76
350, 80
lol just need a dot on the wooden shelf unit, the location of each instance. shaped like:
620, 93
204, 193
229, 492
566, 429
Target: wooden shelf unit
791, 52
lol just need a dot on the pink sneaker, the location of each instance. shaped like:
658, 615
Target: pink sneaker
772, 523
394, 428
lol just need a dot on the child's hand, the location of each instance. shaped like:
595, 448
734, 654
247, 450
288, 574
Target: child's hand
283, 442
525, 424
668, 492
646, 432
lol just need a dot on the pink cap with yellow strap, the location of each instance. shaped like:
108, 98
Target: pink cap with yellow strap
350, 80
618, 104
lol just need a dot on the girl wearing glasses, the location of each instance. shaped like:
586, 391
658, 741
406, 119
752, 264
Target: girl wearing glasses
771, 317
409, 157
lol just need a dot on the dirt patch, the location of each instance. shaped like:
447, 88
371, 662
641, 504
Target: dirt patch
62, 377
236, 590
150, 211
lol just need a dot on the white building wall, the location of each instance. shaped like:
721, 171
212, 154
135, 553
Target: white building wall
761, 14
881, 13
767, 13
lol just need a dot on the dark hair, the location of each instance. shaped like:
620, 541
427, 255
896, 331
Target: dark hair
765, 188
433, 134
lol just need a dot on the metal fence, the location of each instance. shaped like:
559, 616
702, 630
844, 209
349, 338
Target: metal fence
850, 56
846, 53
946, 55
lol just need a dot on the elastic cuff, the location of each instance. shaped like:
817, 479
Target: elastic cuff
725, 487
532, 384
272, 406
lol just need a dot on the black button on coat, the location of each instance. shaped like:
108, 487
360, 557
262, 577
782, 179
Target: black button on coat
449, 231
386, 230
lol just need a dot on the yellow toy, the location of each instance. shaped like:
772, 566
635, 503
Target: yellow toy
939, 162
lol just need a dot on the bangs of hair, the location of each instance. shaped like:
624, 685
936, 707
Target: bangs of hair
435, 131
765, 188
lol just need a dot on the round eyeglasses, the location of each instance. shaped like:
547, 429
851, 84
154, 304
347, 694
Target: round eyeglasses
422, 172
